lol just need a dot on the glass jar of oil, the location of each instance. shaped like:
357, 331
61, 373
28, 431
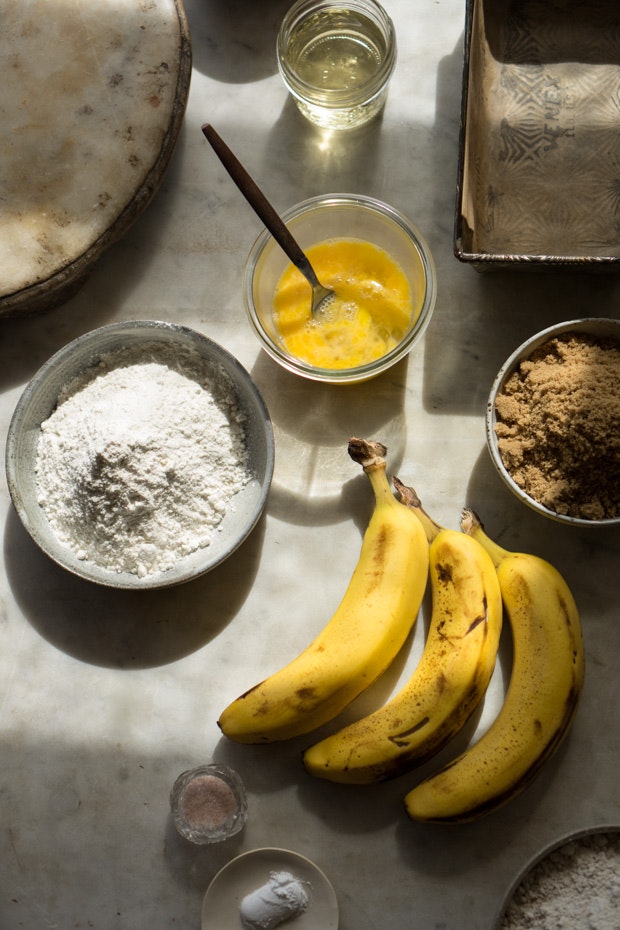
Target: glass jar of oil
336, 57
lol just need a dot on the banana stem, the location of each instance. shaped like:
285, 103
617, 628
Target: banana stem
410, 499
367, 453
471, 524
371, 456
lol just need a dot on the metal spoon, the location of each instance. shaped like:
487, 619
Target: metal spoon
276, 226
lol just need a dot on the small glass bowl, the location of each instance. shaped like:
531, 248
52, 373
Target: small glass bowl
209, 804
599, 328
340, 216
336, 58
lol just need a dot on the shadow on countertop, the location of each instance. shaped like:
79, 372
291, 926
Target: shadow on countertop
126, 629
234, 41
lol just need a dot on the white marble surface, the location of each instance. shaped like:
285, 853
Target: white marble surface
105, 697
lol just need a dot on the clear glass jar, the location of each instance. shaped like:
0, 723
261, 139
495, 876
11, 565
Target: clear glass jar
209, 804
336, 57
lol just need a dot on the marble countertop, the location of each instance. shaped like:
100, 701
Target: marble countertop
105, 697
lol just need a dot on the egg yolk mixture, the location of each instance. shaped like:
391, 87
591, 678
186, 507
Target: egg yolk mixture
368, 315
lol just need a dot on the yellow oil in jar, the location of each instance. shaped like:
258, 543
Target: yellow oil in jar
337, 50
337, 58
369, 315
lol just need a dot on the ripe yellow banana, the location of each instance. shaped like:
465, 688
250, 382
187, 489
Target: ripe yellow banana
541, 700
368, 629
452, 676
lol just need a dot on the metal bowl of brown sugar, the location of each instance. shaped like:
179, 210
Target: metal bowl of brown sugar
553, 422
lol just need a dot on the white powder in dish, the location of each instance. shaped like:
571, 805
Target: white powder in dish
284, 897
141, 458
575, 887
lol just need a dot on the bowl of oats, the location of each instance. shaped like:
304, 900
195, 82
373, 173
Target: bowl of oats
553, 422
572, 882
140, 455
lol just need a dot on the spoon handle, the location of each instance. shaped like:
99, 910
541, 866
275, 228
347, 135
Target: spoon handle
260, 204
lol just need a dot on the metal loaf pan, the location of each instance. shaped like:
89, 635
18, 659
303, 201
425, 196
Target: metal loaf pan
539, 153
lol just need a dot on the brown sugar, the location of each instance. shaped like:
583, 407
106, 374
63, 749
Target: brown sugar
558, 426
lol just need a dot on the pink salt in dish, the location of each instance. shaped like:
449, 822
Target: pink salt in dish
208, 804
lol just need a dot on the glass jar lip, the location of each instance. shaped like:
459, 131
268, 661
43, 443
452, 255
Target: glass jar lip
379, 365
368, 89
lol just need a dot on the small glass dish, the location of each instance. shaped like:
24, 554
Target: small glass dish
336, 58
209, 804
341, 216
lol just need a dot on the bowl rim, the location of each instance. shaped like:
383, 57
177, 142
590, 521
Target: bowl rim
588, 325
369, 369
140, 330
571, 836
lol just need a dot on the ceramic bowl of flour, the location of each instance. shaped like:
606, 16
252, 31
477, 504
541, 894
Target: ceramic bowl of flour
553, 420
140, 455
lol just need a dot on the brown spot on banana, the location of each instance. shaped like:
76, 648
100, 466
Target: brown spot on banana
400, 739
305, 694
444, 574
475, 623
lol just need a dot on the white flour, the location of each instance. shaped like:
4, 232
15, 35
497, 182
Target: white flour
141, 458
576, 887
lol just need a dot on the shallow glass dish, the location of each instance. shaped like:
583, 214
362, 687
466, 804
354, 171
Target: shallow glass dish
209, 804
39, 399
597, 327
341, 216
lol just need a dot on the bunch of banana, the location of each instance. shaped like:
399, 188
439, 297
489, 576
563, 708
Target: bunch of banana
368, 629
541, 700
452, 676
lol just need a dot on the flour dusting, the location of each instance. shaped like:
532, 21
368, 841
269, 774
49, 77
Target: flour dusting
141, 458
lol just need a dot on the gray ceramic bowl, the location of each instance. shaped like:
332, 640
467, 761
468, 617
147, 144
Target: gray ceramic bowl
39, 400
555, 864
598, 327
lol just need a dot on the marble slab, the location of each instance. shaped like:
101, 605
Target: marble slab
105, 697
92, 100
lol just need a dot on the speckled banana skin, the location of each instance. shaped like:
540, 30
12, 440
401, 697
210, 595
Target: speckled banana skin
541, 700
447, 684
368, 629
